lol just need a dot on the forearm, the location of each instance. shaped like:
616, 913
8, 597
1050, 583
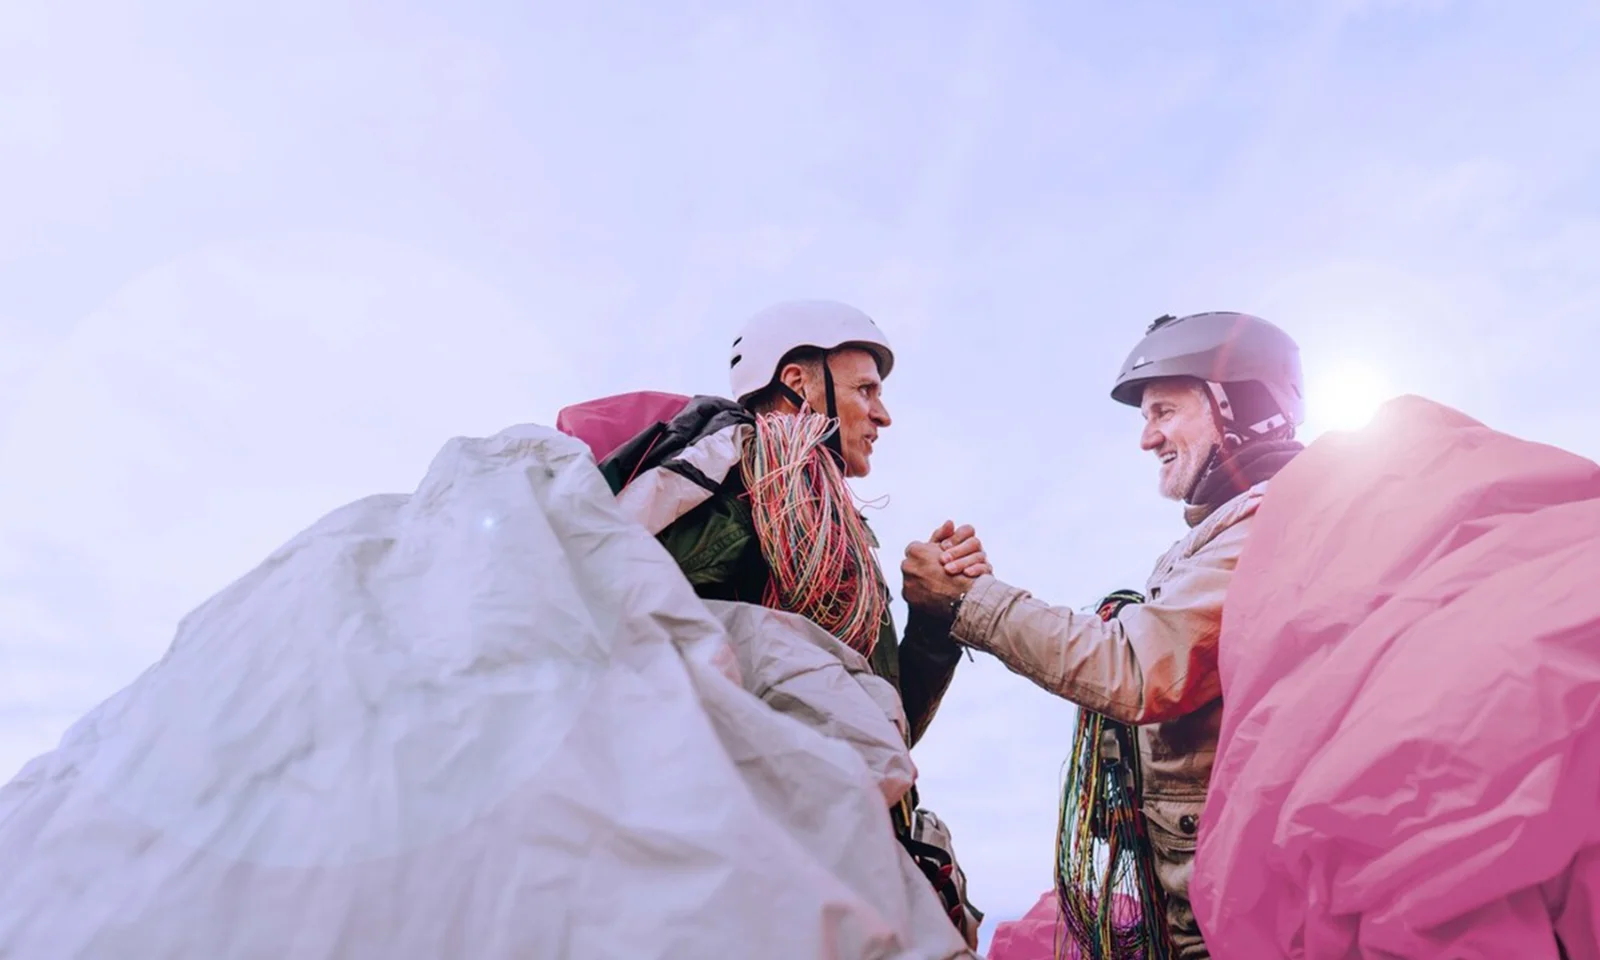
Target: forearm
1149, 665
928, 659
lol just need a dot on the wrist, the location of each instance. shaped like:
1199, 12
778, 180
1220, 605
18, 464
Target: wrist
953, 611
938, 612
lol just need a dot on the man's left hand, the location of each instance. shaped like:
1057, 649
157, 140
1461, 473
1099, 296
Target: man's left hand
960, 550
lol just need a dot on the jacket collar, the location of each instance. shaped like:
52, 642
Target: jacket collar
1224, 514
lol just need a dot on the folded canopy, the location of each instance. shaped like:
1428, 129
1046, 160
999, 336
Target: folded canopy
489, 720
1410, 760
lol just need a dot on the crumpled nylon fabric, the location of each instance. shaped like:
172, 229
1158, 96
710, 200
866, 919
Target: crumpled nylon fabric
607, 423
1409, 764
487, 719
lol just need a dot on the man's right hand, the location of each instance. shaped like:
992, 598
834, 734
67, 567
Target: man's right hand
961, 551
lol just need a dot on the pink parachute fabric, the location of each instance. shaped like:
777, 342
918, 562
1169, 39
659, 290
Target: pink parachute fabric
1032, 936
1409, 763
608, 422
1035, 934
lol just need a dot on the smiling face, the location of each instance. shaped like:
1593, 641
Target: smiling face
1180, 430
858, 398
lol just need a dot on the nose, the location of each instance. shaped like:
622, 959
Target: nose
1152, 438
880, 414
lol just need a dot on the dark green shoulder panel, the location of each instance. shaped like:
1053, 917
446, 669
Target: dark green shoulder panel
716, 547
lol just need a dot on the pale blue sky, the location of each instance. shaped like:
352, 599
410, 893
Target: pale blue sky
257, 263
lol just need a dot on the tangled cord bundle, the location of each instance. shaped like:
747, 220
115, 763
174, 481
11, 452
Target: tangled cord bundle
1111, 901
813, 538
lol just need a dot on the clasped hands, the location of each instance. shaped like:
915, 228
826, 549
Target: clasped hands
938, 571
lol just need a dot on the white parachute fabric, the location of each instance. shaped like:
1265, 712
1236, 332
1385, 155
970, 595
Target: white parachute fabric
489, 719
805, 672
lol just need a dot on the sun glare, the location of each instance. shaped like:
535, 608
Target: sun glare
1345, 398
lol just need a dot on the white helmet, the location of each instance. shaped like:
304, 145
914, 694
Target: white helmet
767, 338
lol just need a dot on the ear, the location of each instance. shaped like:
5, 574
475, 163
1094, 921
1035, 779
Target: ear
793, 376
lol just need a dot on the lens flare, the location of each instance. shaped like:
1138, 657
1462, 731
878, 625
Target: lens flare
1345, 398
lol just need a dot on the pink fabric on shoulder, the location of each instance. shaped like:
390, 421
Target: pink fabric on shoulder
1409, 763
608, 422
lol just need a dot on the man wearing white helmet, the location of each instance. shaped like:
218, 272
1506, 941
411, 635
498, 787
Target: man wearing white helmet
1220, 395
832, 358
814, 355
827, 356
801, 357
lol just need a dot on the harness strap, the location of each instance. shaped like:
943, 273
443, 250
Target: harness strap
834, 442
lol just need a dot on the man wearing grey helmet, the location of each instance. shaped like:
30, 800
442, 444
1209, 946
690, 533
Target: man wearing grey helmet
1221, 395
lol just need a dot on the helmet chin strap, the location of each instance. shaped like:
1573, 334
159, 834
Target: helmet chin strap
834, 442
1222, 416
1203, 472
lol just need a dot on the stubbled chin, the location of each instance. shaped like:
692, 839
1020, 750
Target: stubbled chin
1169, 482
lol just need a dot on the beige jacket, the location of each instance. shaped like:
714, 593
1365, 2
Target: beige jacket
1154, 666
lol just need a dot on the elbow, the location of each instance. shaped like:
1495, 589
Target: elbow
1135, 715
1166, 704
1174, 674
1149, 714
1132, 698
1138, 713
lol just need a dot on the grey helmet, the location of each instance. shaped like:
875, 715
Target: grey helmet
1236, 355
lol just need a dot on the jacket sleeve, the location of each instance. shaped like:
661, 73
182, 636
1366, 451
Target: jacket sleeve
928, 659
1155, 662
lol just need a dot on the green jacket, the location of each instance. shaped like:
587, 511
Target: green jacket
716, 545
